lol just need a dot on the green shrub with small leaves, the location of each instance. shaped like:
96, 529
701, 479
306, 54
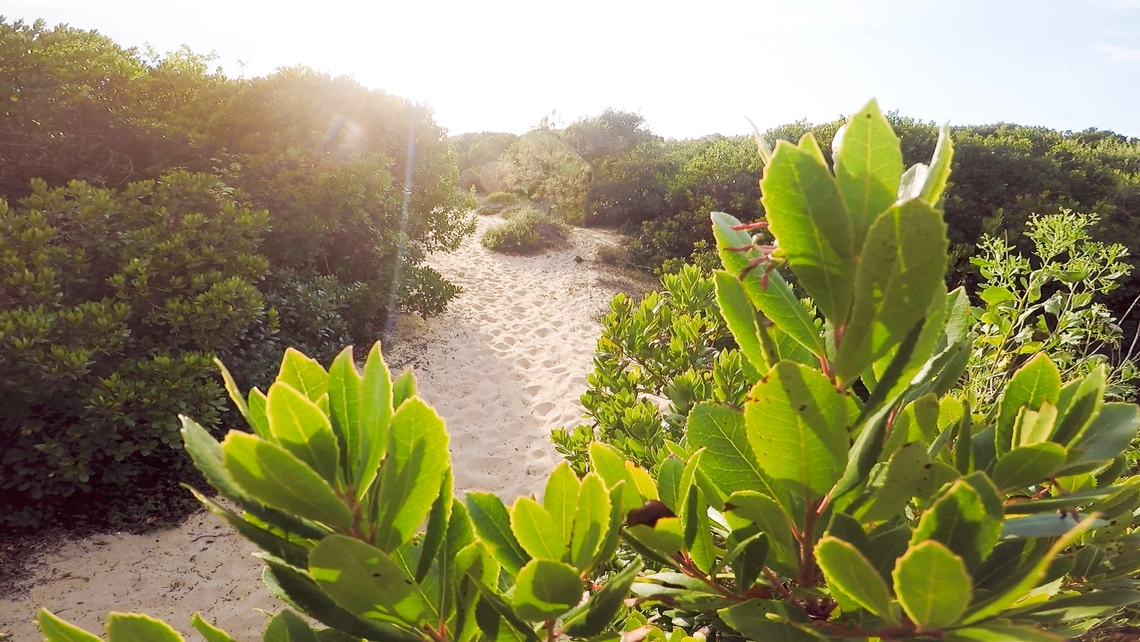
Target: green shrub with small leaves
850, 496
112, 304
526, 230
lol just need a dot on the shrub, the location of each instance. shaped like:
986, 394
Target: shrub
112, 304
549, 172
525, 231
498, 203
850, 497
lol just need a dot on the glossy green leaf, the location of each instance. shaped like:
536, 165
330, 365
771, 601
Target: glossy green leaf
413, 472
591, 522
232, 389
868, 166
1027, 578
932, 585
134, 627
403, 387
771, 519
299, 426
1110, 433
275, 477
912, 182
561, 498
375, 415
845, 568
345, 385
764, 620
301, 592
1045, 524
896, 282
604, 605
665, 537
537, 531
939, 172
208, 458
287, 626
492, 523
798, 425
728, 460
266, 540
1080, 401
777, 301
966, 518
1027, 465
209, 631
806, 214
545, 589
741, 318
1034, 426
256, 417
363, 580
610, 465
304, 374
1034, 383
1001, 632
910, 473
437, 526
56, 630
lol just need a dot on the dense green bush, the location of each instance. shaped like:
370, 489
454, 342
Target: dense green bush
848, 497
526, 230
542, 167
497, 203
112, 304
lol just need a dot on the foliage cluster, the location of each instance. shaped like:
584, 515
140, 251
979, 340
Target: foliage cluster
497, 203
526, 230
545, 169
111, 305
849, 497
359, 186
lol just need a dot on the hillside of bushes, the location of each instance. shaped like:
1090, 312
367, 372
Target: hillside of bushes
156, 214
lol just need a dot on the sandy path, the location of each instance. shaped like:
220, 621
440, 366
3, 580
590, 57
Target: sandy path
504, 366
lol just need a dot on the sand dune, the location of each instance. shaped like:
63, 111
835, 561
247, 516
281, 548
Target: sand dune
504, 365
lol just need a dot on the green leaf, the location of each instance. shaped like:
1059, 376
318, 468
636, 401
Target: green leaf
1001, 632
939, 172
665, 537
1027, 465
778, 301
492, 524
299, 426
741, 318
56, 630
1035, 426
403, 388
133, 627
345, 385
1044, 525
302, 593
417, 461
798, 427
845, 568
363, 580
932, 585
868, 166
610, 465
537, 531
591, 522
912, 182
275, 477
966, 517
208, 458
256, 417
728, 460
910, 473
209, 631
1029, 578
545, 589
900, 273
806, 214
287, 626
561, 498
764, 620
437, 526
304, 374
266, 540
375, 415
1034, 383
995, 295
232, 389
771, 518
1081, 400
604, 605
1110, 433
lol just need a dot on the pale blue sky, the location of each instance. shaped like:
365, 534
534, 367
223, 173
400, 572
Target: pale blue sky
690, 68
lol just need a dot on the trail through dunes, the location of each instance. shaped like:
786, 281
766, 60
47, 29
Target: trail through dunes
503, 366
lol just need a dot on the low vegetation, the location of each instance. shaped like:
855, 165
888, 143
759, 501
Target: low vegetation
526, 230
498, 203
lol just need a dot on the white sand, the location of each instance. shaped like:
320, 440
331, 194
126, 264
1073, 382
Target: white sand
504, 365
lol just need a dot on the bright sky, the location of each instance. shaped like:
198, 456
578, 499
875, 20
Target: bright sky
691, 68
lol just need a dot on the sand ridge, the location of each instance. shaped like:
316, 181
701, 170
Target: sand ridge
504, 366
